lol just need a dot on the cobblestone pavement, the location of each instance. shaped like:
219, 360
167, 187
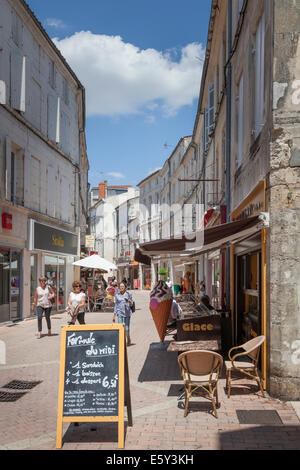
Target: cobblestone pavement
158, 422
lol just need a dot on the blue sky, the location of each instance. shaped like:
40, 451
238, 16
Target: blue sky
140, 62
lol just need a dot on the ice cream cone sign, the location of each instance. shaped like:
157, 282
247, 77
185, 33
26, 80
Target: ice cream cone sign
161, 298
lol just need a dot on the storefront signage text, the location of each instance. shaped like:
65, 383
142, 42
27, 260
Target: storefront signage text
7, 221
49, 239
197, 327
58, 241
251, 210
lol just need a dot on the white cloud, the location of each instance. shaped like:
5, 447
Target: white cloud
115, 174
55, 23
122, 79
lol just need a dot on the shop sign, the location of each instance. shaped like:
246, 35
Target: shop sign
7, 221
197, 329
253, 204
89, 241
48, 238
251, 210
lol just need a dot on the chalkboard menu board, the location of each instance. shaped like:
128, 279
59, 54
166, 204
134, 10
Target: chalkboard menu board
94, 378
91, 373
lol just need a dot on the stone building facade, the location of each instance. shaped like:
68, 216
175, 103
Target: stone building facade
246, 138
43, 163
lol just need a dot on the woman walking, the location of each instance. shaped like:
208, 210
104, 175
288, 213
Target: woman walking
123, 309
42, 300
77, 297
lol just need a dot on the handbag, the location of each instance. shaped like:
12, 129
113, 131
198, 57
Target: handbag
132, 307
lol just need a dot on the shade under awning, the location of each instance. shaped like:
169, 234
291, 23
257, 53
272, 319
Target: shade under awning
212, 238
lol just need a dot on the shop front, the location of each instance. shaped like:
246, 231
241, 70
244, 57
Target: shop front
52, 252
10, 284
248, 277
12, 247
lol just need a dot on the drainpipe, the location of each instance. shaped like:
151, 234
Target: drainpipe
228, 149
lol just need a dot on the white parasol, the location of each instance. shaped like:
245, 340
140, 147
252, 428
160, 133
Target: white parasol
95, 262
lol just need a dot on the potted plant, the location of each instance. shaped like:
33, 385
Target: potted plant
163, 273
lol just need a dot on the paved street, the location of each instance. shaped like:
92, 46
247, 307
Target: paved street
30, 422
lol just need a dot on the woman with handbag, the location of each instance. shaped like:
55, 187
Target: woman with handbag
43, 296
124, 308
77, 298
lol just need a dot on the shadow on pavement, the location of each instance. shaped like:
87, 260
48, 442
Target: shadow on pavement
160, 365
262, 438
92, 432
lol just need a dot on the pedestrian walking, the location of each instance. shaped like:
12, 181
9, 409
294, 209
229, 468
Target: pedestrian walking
124, 306
77, 298
42, 300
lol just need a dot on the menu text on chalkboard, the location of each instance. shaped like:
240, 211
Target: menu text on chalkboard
91, 373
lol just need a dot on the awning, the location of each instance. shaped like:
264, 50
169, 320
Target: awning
203, 241
141, 258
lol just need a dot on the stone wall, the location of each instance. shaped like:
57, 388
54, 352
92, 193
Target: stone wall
284, 206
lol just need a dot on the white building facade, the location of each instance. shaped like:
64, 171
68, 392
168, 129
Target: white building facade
43, 163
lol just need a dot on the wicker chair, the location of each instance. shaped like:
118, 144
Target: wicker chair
200, 372
249, 369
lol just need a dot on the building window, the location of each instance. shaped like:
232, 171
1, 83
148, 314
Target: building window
17, 29
211, 108
13, 177
240, 121
65, 91
259, 77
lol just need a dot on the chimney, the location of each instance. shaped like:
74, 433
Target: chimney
103, 189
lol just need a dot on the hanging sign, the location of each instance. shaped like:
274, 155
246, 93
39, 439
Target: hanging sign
94, 378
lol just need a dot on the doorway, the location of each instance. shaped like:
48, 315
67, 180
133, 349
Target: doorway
55, 271
10, 284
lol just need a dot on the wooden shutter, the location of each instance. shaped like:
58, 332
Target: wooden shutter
8, 168
211, 107
51, 191
51, 117
35, 183
18, 67
240, 121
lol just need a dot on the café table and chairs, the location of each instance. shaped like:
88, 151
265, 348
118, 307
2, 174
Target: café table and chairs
247, 368
200, 371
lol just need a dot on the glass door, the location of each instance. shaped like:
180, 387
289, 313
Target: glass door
33, 277
62, 283
55, 269
10, 282
15, 283
4, 285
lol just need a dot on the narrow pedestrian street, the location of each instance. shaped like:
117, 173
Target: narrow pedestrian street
29, 422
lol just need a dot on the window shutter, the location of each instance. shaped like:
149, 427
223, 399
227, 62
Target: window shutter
58, 124
35, 184
211, 107
27, 166
205, 129
51, 117
51, 191
18, 74
8, 168
240, 120
259, 76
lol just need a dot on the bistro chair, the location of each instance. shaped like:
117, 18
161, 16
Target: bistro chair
200, 371
249, 369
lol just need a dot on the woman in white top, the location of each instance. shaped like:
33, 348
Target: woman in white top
78, 298
43, 296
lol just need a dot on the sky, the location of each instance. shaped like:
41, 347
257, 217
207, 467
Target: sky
140, 62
